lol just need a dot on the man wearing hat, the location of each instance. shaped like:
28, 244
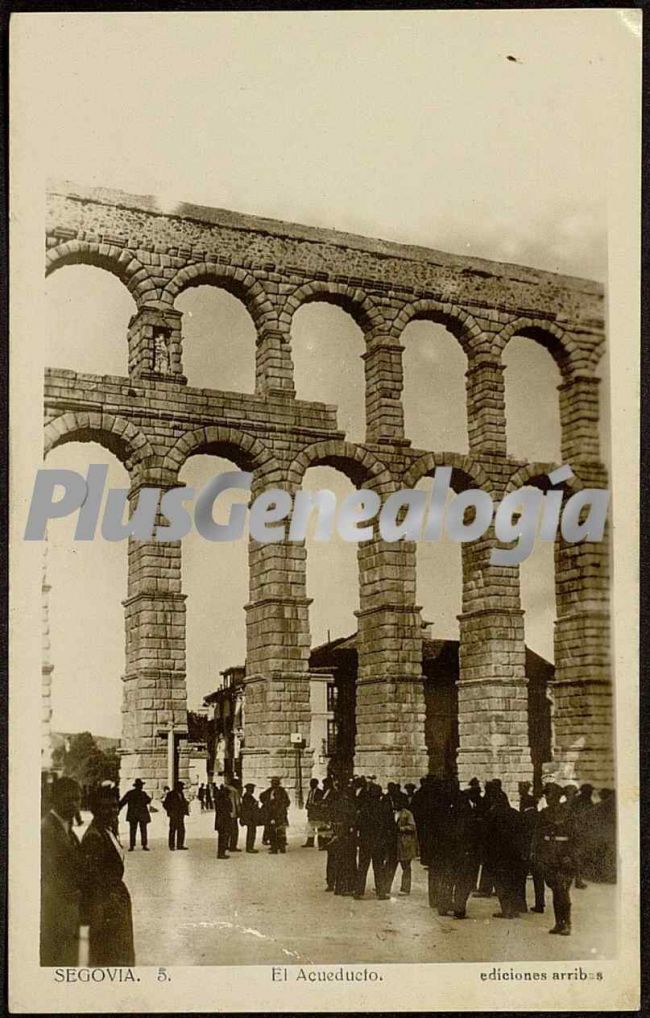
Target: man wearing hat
276, 802
61, 877
250, 816
177, 808
137, 813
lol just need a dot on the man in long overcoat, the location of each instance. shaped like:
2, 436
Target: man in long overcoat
106, 903
61, 877
137, 813
376, 827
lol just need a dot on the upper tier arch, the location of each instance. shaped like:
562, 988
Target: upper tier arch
116, 260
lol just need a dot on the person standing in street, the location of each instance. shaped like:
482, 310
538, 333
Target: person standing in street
314, 796
406, 849
250, 816
345, 843
376, 826
177, 808
201, 796
554, 853
582, 808
61, 877
530, 817
137, 813
222, 820
234, 792
106, 903
276, 802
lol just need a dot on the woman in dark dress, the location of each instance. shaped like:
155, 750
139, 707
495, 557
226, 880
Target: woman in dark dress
106, 903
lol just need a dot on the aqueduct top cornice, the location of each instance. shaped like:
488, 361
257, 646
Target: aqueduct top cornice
178, 235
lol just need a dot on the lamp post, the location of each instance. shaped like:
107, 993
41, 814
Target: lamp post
298, 742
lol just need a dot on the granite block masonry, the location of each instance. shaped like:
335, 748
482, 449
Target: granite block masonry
152, 420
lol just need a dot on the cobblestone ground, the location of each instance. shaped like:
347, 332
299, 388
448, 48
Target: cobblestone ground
191, 909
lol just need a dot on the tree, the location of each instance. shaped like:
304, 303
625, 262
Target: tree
82, 759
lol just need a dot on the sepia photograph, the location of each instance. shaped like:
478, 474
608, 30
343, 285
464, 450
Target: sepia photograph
324, 407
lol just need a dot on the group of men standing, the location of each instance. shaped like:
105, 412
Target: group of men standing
459, 834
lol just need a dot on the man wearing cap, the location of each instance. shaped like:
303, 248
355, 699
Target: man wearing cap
177, 808
250, 816
137, 813
554, 853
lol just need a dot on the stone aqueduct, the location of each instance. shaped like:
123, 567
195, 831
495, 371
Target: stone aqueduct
152, 421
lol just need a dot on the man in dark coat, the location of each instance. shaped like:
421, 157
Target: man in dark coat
486, 886
177, 808
420, 804
61, 877
275, 802
106, 903
137, 813
222, 820
344, 847
464, 847
530, 819
504, 847
604, 837
442, 850
376, 827
582, 808
554, 853
250, 816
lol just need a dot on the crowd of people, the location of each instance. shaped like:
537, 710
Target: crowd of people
471, 841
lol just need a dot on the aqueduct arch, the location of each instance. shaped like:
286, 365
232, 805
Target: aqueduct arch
157, 420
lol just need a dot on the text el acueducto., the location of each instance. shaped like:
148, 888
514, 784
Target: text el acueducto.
341, 974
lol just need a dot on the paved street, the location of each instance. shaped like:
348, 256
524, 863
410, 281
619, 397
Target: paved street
192, 909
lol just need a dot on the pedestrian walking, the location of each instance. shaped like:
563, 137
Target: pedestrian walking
177, 808
209, 795
137, 813
201, 796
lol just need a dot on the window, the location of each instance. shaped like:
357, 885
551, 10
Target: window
332, 697
332, 737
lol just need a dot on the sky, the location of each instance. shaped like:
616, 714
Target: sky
410, 126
